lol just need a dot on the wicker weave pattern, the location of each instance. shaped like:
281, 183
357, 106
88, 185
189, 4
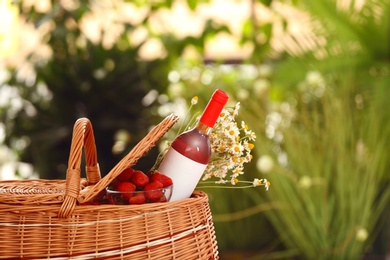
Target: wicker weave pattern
131, 158
41, 219
49, 191
175, 230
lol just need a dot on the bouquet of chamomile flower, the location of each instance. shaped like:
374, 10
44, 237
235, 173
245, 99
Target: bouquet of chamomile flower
231, 147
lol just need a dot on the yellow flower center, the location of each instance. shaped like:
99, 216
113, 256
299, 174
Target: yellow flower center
194, 100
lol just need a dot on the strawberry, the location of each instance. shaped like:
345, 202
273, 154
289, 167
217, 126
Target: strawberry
139, 179
164, 179
127, 188
163, 198
111, 198
138, 198
153, 191
125, 175
114, 184
149, 174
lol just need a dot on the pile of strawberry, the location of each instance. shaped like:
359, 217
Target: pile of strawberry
136, 187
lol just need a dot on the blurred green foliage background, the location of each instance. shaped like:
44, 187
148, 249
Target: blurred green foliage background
313, 81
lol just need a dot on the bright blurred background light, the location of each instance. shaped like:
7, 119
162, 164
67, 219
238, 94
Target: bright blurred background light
9, 28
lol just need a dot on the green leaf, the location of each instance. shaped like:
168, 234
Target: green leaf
266, 2
267, 30
247, 31
192, 4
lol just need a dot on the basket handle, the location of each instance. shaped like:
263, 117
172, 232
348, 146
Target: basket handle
82, 137
130, 159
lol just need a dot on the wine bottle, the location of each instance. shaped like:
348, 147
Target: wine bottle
190, 152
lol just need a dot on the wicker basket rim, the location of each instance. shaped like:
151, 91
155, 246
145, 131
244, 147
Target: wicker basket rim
76, 189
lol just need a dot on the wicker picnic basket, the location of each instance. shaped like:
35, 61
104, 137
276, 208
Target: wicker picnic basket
42, 219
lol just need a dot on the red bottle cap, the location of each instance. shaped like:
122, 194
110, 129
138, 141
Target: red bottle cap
214, 108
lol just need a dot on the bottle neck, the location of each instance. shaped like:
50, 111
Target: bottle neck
203, 128
214, 108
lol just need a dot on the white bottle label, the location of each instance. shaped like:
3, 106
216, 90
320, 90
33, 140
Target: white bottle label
184, 172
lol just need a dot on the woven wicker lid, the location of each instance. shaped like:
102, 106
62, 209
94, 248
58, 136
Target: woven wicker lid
144, 146
42, 191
